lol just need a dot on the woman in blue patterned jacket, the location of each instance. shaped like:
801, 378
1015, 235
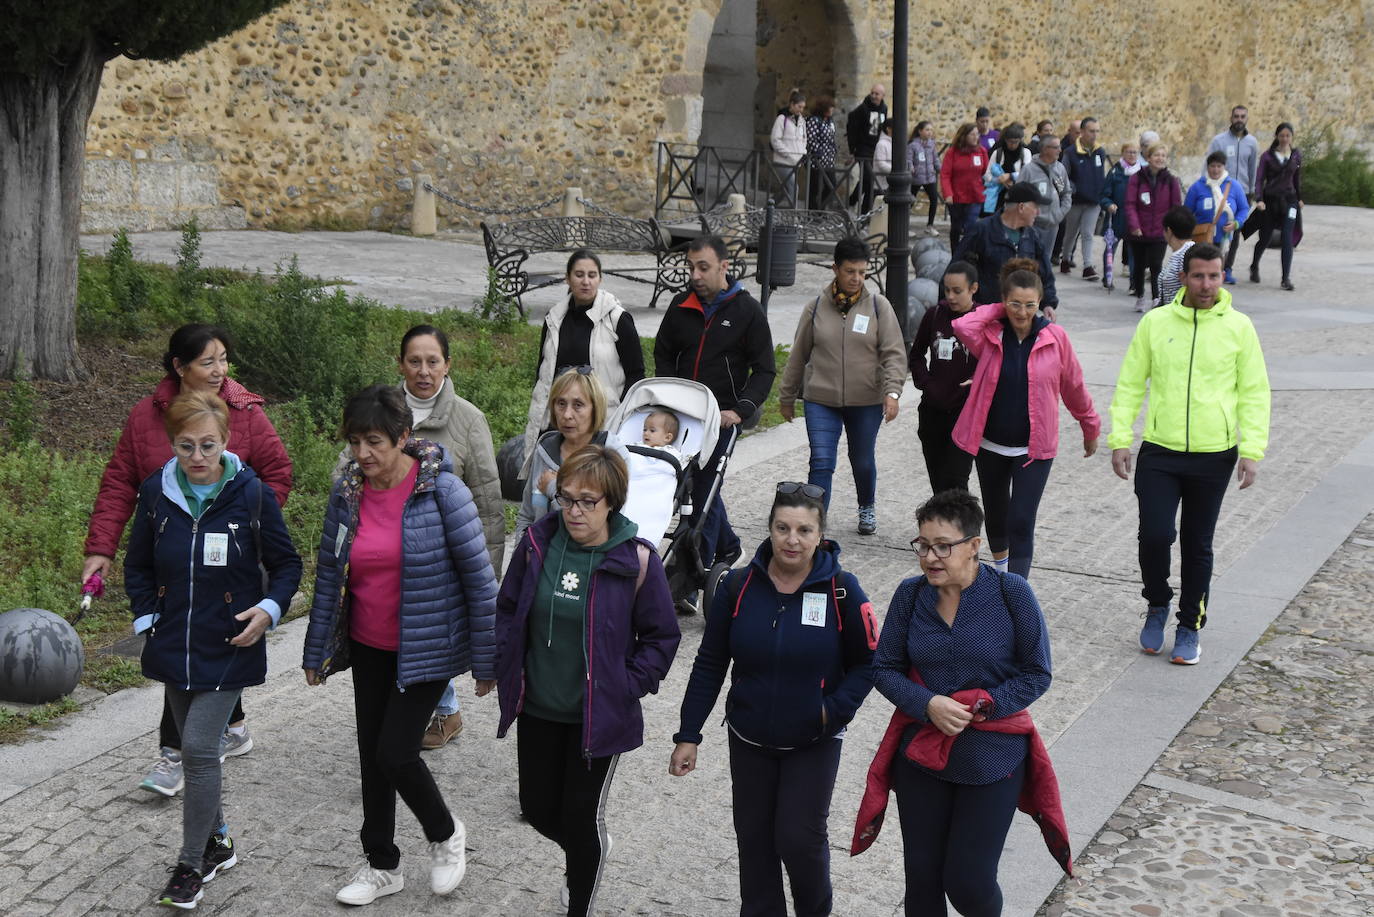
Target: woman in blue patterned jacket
405, 595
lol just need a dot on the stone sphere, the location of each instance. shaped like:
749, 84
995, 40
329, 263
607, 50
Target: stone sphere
926, 244
41, 656
931, 264
927, 292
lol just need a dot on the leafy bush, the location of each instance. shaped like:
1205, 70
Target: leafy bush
188, 262
21, 410
1335, 173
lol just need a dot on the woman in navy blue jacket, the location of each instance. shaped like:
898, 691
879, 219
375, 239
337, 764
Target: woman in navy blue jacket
961, 626
405, 596
800, 633
585, 628
202, 526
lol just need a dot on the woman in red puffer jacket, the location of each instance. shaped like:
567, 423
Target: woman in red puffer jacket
197, 359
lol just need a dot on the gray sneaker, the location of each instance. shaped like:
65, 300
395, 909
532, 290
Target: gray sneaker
231, 745
165, 778
868, 520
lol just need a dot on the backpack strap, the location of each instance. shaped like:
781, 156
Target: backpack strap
643, 565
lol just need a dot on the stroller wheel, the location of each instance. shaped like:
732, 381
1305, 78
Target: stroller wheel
713, 578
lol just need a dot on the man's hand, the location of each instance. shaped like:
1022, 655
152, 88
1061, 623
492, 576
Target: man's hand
1111, 208
788, 412
1121, 463
1231, 226
890, 408
1259, 205
1048, 312
730, 419
1246, 472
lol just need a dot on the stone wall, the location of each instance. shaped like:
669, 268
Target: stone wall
323, 113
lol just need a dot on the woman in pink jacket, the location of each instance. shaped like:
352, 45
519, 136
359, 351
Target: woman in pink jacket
1010, 423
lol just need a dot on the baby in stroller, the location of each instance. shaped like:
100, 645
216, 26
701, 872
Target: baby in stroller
655, 470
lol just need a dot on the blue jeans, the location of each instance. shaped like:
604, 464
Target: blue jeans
860, 425
961, 220
448, 704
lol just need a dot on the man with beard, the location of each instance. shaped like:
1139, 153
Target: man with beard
1242, 157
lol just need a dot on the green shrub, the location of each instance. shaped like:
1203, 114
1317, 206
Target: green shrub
21, 409
189, 282
1336, 173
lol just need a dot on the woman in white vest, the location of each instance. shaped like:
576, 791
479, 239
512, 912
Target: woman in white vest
590, 328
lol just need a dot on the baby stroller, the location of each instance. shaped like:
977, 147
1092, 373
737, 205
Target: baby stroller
661, 479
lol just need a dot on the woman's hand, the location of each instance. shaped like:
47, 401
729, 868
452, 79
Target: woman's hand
1259, 205
1231, 226
684, 759
96, 563
546, 479
890, 407
313, 679
948, 715
258, 620
1089, 446
1111, 208
1136, 232
485, 686
788, 412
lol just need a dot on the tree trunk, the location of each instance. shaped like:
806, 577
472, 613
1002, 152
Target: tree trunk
42, 155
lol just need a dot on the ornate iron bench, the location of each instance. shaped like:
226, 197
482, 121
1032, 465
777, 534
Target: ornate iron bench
818, 230
509, 246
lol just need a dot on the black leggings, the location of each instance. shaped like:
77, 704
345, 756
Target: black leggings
932, 191
168, 734
1276, 212
564, 797
952, 839
1146, 255
1012, 486
947, 465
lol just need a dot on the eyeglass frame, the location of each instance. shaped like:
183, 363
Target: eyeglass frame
810, 491
949, 546
585, 504
198, 448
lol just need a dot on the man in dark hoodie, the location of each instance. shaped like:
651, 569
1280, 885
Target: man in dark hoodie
1086, 163
716, 334
862, 130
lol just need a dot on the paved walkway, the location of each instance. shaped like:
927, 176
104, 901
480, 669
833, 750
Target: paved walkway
75, 837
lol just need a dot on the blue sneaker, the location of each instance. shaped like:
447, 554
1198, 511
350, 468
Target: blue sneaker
1152, 634
1230, 279
1186, 650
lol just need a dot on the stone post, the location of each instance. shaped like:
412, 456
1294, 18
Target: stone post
878, 224
738, 205
423, 221
572, 207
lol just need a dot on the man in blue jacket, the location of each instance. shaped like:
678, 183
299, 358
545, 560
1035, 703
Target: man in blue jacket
1086, 163
997, 238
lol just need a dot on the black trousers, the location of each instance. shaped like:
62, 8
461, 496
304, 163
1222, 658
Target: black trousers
952, 839
1146, 255
1012, 486
947, 464
564, 797
391, 724
1164, 479
782, 807
932, 190
168, 734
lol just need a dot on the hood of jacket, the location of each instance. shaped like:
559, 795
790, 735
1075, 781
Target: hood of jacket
430, 455
230, 392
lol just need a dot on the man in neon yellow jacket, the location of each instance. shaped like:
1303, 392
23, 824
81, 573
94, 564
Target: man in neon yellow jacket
1209, 403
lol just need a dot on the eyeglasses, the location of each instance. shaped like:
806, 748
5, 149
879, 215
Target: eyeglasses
941, 549
209, 450
586, 504
814, 491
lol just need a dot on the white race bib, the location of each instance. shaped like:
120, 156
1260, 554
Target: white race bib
1098, 159
813, 609
1292, 213
1044, 190
861, 324
1145, 198
216, 549
1230, 155
944, 349
1207, 203
920, 157
339, 540
978, 160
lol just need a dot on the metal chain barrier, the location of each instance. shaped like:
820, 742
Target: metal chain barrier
604, 211
494, 211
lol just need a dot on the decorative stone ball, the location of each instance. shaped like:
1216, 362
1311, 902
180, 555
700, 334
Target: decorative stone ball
510, 459
41, 656
927, 292
927, 244
931, 264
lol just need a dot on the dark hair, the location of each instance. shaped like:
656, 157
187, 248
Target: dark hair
189, 342
822, 104
982, 112
582, 254
961, 267
962, 133
603, 468
1041, 125
851, 248
1216, 156
1283, 126
915, 131
795, 96
420, 331
713, 242
1023, 274
376, 409
1180, 221
957, 506
798, 499
1087, 120
1203, 251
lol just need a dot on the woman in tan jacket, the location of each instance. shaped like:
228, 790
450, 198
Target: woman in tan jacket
848, 365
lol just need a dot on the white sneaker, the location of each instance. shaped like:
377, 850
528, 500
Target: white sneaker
1142, 304
368, 884
448, 861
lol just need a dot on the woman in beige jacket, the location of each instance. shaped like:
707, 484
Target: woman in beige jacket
848, 365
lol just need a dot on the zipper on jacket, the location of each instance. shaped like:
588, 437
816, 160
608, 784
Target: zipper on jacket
191, 597
701, 345
591, 662
1188, 401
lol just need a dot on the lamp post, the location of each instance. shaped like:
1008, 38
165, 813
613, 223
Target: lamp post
899, 198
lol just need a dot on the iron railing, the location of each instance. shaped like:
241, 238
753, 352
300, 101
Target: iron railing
691, 180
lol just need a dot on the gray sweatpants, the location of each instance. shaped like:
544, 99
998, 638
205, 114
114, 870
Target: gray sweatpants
1080, 222
201, 717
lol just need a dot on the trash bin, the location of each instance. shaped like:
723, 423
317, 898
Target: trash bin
780, 254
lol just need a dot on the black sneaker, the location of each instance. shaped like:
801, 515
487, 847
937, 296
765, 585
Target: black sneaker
220, 853
183, 889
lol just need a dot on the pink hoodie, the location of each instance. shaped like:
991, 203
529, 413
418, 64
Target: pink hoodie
1053, 372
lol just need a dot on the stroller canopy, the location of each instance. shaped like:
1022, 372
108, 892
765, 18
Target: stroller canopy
691, 401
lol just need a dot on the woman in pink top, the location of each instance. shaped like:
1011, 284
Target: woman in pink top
1010, 423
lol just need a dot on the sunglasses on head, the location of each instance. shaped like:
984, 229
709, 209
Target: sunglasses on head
813, 491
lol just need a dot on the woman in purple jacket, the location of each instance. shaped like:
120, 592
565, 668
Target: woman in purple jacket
584, 628
1149, 195
1278, 184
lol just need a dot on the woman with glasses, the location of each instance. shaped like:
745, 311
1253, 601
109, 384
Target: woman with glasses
202, 526
577, 410
197, 360
404, 596
585, 628
1010, 422
590, 328
963, 647
799, 633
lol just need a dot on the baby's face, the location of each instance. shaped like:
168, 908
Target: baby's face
656, 433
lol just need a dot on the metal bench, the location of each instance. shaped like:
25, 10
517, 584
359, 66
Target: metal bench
817, 230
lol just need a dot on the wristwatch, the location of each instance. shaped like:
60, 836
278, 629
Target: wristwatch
895, 396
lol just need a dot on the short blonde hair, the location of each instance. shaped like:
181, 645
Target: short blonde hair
591, 388
600, 469
189, 407
1150, 151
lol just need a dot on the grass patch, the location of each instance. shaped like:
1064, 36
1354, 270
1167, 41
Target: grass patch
110, 673
13, 725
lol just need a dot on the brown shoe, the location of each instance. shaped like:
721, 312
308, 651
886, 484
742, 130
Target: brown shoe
441, 728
